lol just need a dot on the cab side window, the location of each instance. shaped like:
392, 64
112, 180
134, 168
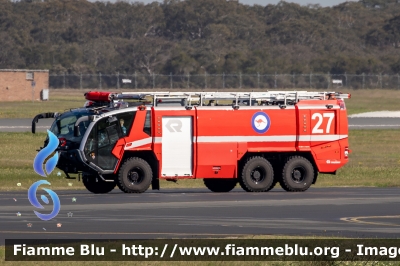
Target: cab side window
147, 123
126, 121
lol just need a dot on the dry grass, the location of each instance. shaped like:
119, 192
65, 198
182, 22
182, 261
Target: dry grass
374, 161
59, 101
372, 100
63, 99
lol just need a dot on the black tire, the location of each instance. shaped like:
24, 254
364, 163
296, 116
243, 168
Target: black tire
257, 175
134, 176
243, 186
220, 184
241, 181
96, 185
297, 174
248, 190
315, 176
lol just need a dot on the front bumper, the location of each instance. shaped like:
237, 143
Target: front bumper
70, 162
73, 162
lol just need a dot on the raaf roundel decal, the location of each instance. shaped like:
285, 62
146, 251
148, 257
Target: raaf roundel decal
260, 122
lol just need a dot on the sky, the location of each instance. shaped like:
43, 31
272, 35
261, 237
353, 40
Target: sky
323, 3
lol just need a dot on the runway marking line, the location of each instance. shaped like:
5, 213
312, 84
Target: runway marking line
374, 125
22, 127
357, 220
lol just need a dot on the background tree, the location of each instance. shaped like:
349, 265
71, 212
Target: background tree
198, 36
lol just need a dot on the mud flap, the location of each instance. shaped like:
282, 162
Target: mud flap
155, 184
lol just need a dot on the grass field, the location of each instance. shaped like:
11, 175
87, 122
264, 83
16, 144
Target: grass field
374, 161
61, 100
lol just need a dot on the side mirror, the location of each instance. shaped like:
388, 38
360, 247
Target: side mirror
81, 119
34, 126
40, 116
76, 131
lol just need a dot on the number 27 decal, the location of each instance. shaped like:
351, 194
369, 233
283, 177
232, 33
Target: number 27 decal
320, 117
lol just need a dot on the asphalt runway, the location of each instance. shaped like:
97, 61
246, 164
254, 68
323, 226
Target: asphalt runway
198, 213
25, 124
374, 123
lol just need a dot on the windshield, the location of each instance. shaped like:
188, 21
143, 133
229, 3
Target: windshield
64, 125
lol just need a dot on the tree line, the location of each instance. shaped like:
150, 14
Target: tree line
200, 36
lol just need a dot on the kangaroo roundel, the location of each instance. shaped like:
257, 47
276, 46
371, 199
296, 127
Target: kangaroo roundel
260, 122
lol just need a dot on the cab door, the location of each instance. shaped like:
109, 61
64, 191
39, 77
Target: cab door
101, 141
177, 146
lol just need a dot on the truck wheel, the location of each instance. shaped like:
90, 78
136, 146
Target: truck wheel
96, 185
247, 190
297, 174
134, 176
257, 175
220, 184
315, 175
243, 186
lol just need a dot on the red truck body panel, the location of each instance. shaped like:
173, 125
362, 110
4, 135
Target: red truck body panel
208, 141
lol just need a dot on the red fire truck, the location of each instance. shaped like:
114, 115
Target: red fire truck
256, 139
